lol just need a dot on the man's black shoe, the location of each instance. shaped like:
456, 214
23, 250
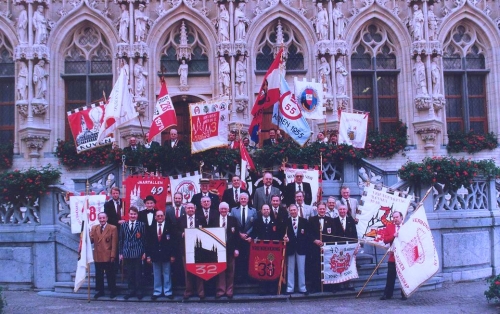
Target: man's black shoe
112, 295
170, 297
154, 297
98, 295
128, 296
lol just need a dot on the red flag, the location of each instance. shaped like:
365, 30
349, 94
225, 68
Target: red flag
245, 158
164, 115
269, 94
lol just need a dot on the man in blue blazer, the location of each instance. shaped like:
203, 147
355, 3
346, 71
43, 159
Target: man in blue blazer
132, 251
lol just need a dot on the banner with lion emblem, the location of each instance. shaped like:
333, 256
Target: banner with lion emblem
339, 262
266, 259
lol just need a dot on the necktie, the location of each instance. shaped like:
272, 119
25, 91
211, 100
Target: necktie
177, 212
159, 232
267, 221
321, 223
223, 222
118, 207
343, 223
294, 225
272, 141
267, 191
300, 187
132, 226
275, 213
191, 222
206, 215
243, 216
236, 195
397, 228
348, 206
102, 229
301, 213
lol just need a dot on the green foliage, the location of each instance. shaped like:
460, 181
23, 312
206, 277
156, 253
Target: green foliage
470, 142
6, 153
386, 144
448, 170
493, 292
96, 157
18, 186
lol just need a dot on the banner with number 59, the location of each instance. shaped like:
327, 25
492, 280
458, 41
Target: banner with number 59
138, 187
77, 207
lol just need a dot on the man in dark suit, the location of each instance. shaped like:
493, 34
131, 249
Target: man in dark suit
263, 194
298, 185
173, 213
298, 238
225, 279
189, 221
174, 141
391, 232
105, 239
160, 251
132, 252
279, 213
349, 202
113, 208
322, 231
214, 199
272, 140
133, 146
147, 216
232, 195
207, 212
345, 231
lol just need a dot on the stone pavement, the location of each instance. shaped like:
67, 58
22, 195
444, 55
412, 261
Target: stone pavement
464, 297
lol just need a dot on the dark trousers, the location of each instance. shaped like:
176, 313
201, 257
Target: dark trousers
109, 268
134, 274
241, 268
199, 284
313, 270
391, 279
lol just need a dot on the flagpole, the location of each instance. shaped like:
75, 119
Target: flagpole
88, 284
283, 265
378, 265
87, 265
321, 257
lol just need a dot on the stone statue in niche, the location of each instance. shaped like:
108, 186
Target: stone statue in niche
340, 76
22, 26
324, 75
141, 22
240, 22
420, 77
224, 79
435, 77
223, 24
432, 23
40, 26
322, 23
140, 78
124, 22
241, 75
339, 20
183, 73
417, 23
40, 76
22, 82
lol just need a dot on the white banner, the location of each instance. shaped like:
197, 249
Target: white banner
77, 206
353, 129
311, 176
339, 262
187, 185
415, 252
376, 208
209, 124
310, 98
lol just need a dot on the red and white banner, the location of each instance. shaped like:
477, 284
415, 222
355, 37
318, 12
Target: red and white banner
269, 94
265, 262
85, 256
246, 163
415, 252
205, 251
339, 262
164, 114
310, 98
376, 213
187, 184
138, 187
218, 186
311, 176
84, 124
119, 109
77, 205
353, 129
209, 124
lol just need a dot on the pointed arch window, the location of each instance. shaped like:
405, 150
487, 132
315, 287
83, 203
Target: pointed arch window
7, 91
465, 74
375, 77
88, 69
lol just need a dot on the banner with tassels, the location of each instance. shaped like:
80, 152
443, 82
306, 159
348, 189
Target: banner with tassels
187, 184
138, 187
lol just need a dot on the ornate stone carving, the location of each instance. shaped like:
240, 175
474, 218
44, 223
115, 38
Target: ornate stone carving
140, 80
22, 26
222, 24
34, 143
184, 49
183, 74
224, 77
417, 23
22, 108
40, 26
139, 50
321, 22
432, 23
22, 82
419, 77
141, 23
241, 75
124, 24
39, 108
428, 135
241, 105
240, 22
438, 102
339, 20
141, 106
40, 76
340, 76
423, 103
31, 52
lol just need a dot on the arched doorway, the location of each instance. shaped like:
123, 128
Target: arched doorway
181, 105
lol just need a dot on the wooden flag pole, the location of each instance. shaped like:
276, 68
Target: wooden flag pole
321, 257
378, 265
283, 265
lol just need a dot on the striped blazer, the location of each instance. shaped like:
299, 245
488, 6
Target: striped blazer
132, 242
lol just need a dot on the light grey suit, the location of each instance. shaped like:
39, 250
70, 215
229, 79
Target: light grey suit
260, 198
249, 219
307, 211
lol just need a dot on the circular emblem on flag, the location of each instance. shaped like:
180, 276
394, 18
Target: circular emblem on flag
187, 189
308, 99
290, 109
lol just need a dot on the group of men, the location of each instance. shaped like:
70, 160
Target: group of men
155, 236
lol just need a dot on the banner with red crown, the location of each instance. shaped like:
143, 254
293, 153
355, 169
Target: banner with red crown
339, 262
205, 251
138, 187
265, 262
